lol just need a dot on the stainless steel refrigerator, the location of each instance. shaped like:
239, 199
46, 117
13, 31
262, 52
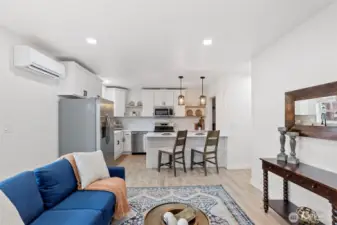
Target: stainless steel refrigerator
86, 125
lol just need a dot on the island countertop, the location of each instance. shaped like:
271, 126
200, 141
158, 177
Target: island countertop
195, 134
154, 141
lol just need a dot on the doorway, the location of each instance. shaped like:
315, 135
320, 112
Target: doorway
213, 113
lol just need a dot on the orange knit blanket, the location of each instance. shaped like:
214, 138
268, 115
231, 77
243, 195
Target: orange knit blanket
115, 185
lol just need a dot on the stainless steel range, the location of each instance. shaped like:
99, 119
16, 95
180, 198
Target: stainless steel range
163, 127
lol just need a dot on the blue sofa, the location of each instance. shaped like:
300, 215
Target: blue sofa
49, 196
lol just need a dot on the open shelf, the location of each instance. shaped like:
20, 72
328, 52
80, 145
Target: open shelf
134, 107
284, 209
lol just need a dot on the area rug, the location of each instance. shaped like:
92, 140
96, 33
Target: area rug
214, 201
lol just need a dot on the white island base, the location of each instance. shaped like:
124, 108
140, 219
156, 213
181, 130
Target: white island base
153, 142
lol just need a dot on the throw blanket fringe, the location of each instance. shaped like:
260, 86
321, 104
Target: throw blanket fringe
115, 185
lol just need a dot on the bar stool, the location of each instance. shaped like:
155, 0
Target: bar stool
209, 151
175, 153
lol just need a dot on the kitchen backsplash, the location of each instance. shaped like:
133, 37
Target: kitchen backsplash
147, 124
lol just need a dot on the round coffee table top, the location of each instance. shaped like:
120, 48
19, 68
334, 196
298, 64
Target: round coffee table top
154, 216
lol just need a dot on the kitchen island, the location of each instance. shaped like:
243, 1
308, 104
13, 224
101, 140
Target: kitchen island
154, 141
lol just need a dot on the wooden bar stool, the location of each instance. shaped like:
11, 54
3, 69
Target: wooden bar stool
209, 151
175, 153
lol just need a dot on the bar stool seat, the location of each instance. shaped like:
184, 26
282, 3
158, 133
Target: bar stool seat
176, 153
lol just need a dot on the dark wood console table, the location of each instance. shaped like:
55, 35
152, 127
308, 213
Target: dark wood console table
318, 181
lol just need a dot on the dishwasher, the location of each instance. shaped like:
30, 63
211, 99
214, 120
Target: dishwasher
137, 143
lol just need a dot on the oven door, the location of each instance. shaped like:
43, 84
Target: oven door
161, 112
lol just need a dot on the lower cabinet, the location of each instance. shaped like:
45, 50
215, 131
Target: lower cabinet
122, 143
118, 144
127, 142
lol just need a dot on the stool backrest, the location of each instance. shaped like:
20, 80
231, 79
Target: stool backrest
180, 141
212, 141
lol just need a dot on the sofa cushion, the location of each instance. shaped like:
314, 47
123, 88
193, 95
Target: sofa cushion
56, 181
23, 192
97, 200
70, 217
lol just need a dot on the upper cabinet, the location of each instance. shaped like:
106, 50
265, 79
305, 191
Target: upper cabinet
118, 96
148, 102
79, 81
163, 98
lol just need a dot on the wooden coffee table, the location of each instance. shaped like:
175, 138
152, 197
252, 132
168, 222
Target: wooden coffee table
154, 216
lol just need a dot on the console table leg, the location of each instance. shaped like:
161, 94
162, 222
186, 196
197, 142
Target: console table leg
265, 191
285, 190
334, 214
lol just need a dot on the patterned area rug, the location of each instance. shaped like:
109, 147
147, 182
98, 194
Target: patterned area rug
218, 205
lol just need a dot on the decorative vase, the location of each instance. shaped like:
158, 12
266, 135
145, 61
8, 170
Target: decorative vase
307, 216
292, 157
282, 156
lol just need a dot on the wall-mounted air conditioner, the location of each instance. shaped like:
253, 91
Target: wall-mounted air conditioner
29, 59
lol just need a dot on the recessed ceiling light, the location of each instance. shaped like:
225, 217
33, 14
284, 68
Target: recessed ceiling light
91, 41
207, 42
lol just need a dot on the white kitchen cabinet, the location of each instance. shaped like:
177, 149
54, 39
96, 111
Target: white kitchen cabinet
179, 110
163, 98
148, 102
118, 150
79, 80
118, 96
305, 107
127, 142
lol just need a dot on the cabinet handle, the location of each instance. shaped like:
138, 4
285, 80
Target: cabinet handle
118, 142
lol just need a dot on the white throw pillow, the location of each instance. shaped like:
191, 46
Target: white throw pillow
91, 167
8, 212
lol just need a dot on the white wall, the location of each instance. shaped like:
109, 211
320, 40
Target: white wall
305, 57
28, 110
233, 116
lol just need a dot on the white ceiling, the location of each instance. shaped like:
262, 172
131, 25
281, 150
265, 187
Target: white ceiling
152, 42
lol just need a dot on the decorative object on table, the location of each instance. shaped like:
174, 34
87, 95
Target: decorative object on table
188, 214
198, 113
282, 156
180, 216
131, 103
169, 219
292, 157
134, 113
181, 98
139, 103
182, 222
189, 112
202, 96
307, 216
215, 206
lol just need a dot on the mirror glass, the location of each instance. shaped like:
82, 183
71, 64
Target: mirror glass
316, 112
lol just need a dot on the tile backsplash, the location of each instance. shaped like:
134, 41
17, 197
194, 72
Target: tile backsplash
147, 124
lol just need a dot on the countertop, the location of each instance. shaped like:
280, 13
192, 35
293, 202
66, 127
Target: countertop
193, 134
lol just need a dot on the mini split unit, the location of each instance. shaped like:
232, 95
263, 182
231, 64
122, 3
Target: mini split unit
29, 59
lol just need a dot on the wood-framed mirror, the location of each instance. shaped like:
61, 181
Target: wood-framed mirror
312, 111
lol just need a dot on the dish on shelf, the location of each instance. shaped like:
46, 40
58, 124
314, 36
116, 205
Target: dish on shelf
131, 103
189, 112
198, 112
139, 103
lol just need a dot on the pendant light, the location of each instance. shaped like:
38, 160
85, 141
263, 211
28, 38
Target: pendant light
202, 96
181, 98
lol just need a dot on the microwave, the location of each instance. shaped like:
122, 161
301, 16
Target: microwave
163, 111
